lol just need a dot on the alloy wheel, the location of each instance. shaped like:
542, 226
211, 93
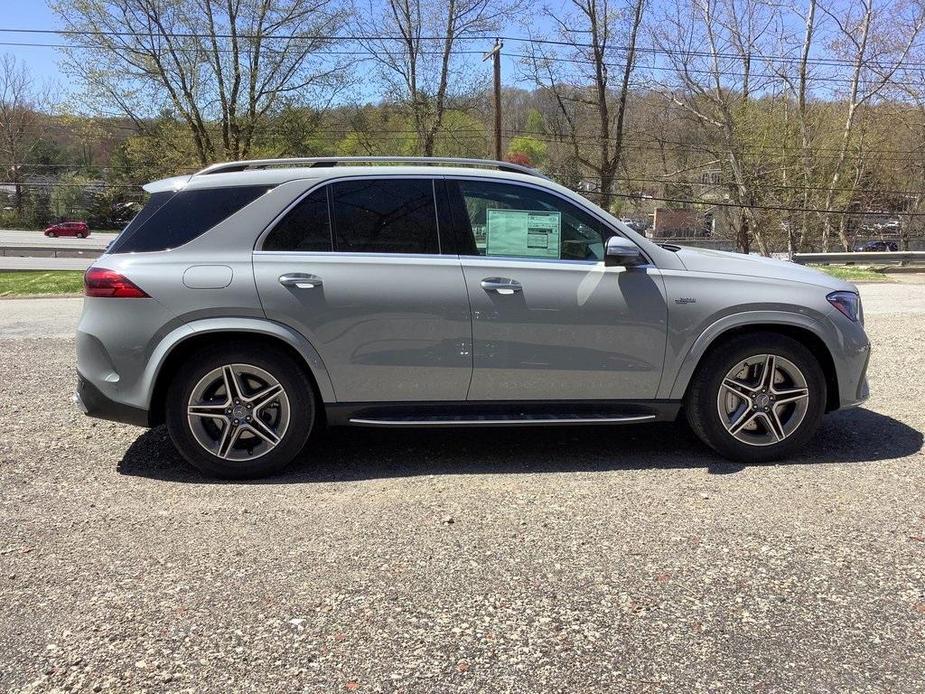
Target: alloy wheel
238, 412
763, 399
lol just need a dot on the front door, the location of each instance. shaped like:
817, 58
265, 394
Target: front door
355, 266
549, 320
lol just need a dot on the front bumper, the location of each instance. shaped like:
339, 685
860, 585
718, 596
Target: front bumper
93, 403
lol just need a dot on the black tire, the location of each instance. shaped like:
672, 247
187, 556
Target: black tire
289, 373
51, 234
701, 404
79, 234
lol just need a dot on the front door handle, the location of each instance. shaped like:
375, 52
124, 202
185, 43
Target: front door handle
501, 285
300, 280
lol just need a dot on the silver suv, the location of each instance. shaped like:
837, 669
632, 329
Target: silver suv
253, 302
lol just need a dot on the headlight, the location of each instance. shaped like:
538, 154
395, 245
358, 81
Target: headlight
848, 303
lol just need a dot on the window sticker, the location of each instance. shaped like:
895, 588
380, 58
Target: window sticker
523, 233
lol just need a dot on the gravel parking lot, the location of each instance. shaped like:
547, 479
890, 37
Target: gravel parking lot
550, 560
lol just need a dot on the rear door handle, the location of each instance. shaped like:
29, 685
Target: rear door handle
300, 280
501, 285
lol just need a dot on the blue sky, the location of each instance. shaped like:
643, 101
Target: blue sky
31, 14
43, 60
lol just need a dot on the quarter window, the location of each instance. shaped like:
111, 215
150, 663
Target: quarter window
385, 216
506, 220
177, 218
306, 227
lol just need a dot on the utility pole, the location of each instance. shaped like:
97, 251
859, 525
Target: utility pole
496, 54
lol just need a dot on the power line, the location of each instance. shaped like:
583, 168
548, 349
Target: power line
655, 50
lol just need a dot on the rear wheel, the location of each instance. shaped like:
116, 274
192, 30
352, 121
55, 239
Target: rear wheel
79, 234
239, 413
52, 234
758, 397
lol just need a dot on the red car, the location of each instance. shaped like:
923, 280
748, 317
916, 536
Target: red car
78, 229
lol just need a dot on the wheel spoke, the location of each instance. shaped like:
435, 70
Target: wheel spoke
736, 426
265, 397
232, 387
767, 372
790, 395
263, 431
738, 388
214, 411
230, 435
775, 428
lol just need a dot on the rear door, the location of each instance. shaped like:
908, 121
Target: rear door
549, 320
355, 266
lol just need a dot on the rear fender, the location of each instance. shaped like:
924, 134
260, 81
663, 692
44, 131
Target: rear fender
246, 325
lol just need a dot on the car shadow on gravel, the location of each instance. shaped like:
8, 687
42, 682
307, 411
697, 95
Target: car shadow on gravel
851, 436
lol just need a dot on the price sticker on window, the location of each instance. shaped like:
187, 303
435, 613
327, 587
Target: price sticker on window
523, 233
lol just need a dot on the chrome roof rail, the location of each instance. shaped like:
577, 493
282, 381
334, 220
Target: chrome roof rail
231, 166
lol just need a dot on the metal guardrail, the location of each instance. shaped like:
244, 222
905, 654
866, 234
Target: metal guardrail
28, 249
868, 258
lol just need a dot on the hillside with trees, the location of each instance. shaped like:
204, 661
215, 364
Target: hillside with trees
778, 127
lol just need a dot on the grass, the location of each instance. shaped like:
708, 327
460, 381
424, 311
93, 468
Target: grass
29, 282
852, 273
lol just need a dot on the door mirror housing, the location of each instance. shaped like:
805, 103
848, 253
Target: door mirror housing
622, 252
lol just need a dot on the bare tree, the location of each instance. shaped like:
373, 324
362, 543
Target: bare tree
19, 115
425, 69
798, 86
221, 65
877, 50
711, 49
598, 35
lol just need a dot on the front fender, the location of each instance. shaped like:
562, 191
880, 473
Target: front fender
255, 326
686, 362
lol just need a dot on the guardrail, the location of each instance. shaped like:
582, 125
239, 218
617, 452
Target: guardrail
46, 250
871, 258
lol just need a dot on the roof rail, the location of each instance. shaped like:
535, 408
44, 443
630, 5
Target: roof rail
311, 162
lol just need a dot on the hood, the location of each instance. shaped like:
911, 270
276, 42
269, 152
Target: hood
725, 263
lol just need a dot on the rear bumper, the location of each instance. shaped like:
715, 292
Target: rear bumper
91, 401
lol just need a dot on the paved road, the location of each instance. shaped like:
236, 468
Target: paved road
37, 238
616, 559
39, 318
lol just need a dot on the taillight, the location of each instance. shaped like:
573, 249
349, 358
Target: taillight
99, 281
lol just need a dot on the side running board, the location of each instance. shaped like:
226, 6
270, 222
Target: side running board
497, 420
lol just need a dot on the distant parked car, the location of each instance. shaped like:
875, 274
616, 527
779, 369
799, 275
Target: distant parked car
78, 229
876, 246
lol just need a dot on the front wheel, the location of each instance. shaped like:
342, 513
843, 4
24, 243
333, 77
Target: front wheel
757, 398
238, 413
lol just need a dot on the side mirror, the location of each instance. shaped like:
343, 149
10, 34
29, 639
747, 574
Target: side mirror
622, 252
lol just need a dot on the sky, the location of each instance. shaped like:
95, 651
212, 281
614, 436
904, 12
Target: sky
43, 61
31, 14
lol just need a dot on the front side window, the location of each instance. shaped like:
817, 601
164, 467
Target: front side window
306, 227
507, 220
388, 215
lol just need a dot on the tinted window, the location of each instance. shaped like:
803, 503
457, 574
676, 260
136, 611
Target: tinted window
508, 220
385, 216
182, 216
306, 227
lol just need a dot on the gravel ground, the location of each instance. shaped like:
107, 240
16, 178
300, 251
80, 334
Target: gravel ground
556, 560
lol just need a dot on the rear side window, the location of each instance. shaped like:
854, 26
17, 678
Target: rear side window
306, 227
385, 216
178, 218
